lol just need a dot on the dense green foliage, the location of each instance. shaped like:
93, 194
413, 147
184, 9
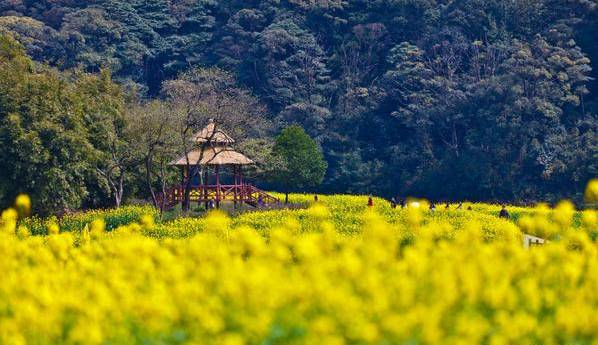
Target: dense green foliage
52, 131
303, 165
480, 99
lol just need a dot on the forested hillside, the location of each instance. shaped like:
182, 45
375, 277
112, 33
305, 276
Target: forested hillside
478, 99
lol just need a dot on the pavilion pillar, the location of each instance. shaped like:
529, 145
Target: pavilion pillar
243, 196
180, 191
235, 191
217, 186
205, 187
202, 183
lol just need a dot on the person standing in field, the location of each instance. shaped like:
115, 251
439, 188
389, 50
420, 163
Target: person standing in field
393, 203
316, 198
504, 213
370, 201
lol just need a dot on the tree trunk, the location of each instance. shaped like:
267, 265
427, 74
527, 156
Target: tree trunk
187, 196
120, 191
148, 178
163, 185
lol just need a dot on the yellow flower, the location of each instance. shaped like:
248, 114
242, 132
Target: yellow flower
336, 275
23, 204
85, 236
414, 216
563, 213
9, 220
147, 221
217, 222
232, 339
591, 194
23, 232
52, 228
97, 227
319, 211
590, 219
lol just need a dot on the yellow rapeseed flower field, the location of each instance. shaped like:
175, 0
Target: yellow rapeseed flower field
336, 272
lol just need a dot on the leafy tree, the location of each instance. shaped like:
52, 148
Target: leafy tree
479, 102
201, 96
237, 38
266, 164
43, 131
153, 139
93, 39
42, 43
304, 164
293, 64
108, 131
470, 98
311, 117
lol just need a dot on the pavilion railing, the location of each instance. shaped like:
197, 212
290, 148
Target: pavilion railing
237, 193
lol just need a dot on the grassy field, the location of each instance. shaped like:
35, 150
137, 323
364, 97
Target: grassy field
333, 272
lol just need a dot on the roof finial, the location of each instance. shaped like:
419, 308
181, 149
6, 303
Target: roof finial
211, 134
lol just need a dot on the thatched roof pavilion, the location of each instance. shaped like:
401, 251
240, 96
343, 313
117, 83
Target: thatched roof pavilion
213, 135
213, 151
217, 152
213, 156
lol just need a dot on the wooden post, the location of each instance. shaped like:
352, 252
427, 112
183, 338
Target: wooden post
235, 173
182, 186
202, 186
205, 189
217, 186
242, 185
199, 187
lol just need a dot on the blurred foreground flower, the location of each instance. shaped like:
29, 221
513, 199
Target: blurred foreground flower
591, 194
23, 205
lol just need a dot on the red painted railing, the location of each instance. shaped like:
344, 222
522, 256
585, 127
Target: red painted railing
237, 193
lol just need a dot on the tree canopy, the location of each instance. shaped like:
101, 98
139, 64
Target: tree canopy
479, 99
49, 121
303, 165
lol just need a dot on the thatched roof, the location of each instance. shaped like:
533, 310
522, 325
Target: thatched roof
213, 135
217, 152
214, 156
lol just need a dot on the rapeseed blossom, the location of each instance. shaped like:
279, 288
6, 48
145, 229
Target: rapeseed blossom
334, 273
591, 193
23, 204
